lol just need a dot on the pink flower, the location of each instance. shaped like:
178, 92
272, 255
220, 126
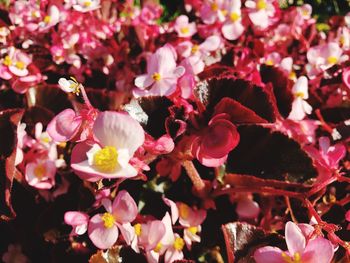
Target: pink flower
323, 57
148, 235
327, 157
14, 63
346, 77
41, 174
78, 220
64, 126
162, 74
260, 11
183, 27
187, 48
103, 228
86, 5
300, 248
118, 136
300, 107
247, 208
213, 11
214, 143
51, 19
232, 29
171, 245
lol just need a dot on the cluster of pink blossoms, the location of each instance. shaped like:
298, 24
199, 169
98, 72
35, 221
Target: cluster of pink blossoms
200, 104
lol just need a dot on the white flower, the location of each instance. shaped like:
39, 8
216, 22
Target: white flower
69, 85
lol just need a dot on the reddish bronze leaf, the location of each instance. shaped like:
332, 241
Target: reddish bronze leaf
9, 120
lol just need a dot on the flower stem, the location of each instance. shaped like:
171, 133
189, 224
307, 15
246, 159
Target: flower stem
193, 174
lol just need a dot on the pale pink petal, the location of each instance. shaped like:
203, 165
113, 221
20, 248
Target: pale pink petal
124, 208
118, 130
268, 254
172, 255
127, 231
318, 250
259, 18
247, 208
64, 126
18, 72
5, 73
173, 208
101, 236
212, 43
297, 112
143, 81
294, 238
232, 31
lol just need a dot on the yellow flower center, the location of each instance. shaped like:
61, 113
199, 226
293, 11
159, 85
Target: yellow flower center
234, 16
214, 6
292, 75
269, 62
193, 229
158, 247
156, 76
185, 30
342, 40
261, 4
184, 211
295, 259
332, 60
138, 229
106, 159
179, 243
47, 19
7, 61
305, 12
194, 49
75, 86
39, 171
300, 94
108, 220
20, 65
87, 3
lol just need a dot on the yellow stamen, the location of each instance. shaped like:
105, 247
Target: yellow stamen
7, 61
108, 220
193, 229
138, 229
261, 4
158, 247
20, 65
75, 86
214, 6
332, 60
87, 3
234, 16
269, 62
292, 75
295, 259
47, 19
194, 49
106, 159
185, 30
179, 243
39, 171
156, 76
300, 94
